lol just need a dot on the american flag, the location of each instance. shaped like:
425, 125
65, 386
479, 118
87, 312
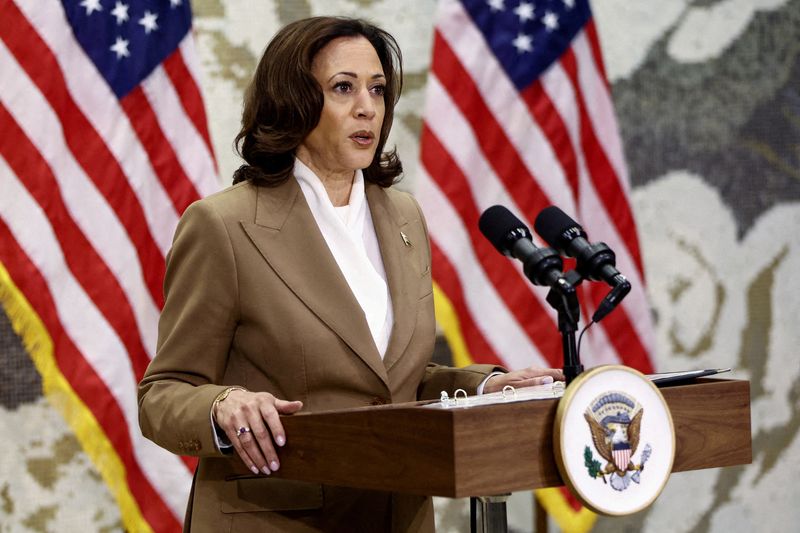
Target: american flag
519, 113
104, 143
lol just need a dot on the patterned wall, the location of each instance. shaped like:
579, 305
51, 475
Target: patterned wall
708, 97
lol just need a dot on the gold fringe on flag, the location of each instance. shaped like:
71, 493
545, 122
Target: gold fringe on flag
55, 387
567, 518
552, 499
448, 321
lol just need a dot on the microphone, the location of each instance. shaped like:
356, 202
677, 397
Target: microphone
513, 238
596, 262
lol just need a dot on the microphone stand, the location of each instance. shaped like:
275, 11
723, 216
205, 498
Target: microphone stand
563, 297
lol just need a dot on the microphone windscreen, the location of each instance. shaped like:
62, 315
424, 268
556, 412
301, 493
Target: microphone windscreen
496, 223
552, 224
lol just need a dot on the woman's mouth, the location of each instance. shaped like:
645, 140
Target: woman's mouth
363, 138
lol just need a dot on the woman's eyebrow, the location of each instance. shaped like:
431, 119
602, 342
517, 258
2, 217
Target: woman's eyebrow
354, 75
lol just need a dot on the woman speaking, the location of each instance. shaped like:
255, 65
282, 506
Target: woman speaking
305, 285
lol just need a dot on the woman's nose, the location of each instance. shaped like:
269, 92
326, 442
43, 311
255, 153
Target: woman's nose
364, 105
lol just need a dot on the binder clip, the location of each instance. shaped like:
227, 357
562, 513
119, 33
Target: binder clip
509, 389
446, 400
462, 397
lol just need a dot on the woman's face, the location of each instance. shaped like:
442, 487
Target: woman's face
353, 83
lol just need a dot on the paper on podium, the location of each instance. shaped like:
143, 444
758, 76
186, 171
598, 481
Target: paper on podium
508, 395
671, 378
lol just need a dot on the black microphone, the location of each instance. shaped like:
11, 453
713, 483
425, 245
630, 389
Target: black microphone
513, 238
596, 262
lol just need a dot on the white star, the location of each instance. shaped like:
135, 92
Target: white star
149, 22
91, 6
175, 3
550, 20
120, 12
524, 11
569, 3
496, 5
120, 47
523, 43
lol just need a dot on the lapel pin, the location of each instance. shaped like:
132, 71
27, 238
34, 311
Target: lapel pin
405, 238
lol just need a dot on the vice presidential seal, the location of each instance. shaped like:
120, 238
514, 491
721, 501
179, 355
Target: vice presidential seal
614, 440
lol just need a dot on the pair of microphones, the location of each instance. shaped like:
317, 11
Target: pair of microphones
543, 266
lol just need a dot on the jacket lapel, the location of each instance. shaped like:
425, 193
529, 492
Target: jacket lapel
400, 262
286, 234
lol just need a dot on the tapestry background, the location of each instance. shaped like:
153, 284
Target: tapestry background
707, 96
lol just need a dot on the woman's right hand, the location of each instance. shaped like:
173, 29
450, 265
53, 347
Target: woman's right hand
258, 413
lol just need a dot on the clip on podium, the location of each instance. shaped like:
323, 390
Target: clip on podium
490, 450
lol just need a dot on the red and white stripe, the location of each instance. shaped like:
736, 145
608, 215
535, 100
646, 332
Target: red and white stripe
622, 457
91, 189
556, 142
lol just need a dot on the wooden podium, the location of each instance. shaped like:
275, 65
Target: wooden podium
492, 449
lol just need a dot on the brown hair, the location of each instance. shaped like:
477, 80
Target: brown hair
283, 102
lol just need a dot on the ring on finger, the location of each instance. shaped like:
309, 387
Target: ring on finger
242, 430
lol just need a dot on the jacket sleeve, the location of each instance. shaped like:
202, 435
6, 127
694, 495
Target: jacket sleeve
195, 332
440, 378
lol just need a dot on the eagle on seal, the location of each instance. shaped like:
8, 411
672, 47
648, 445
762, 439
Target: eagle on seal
616, 440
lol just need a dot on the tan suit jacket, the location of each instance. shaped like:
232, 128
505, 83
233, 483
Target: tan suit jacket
255, 298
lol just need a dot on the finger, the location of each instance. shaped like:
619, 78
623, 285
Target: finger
542, 380
531, 382
249, 443
236, 440
555, 373
263, 438
253, 440
287, 408
274, 423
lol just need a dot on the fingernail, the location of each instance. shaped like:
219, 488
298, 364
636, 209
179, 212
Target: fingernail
266, 470
546, 380
254, 469
274, 465
281, 440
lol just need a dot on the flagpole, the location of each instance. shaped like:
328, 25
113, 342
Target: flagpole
539, 515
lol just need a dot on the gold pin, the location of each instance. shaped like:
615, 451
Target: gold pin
405, 238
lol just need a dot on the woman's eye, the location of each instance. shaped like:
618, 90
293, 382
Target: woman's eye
379, 90
342, 86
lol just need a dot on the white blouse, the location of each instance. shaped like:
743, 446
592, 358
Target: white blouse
350, 235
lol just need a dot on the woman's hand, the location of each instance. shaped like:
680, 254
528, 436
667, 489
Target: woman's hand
527, 377
251, 422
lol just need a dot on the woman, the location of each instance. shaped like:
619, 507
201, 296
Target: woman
305, 285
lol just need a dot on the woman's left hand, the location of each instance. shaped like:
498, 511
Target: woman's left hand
527, 377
